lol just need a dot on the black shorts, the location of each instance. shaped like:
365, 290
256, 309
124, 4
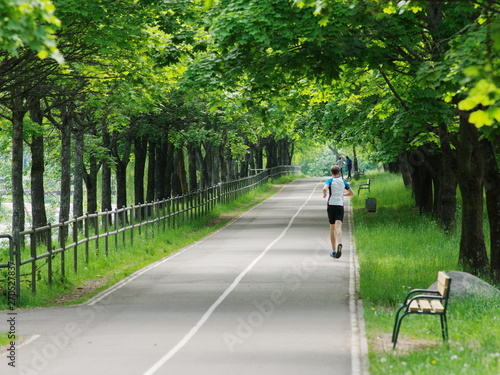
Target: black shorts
335, 213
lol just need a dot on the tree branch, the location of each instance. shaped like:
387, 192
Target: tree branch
391, 87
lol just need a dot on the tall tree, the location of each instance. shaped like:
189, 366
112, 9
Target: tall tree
396, 39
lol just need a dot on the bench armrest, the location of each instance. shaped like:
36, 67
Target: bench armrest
411, 292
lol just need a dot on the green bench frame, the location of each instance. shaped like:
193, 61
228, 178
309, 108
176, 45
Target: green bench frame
364, 186
426, 302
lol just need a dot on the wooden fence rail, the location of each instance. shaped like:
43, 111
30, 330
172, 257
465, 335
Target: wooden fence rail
66, 241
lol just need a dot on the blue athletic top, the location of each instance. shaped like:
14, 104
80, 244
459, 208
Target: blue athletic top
336, 187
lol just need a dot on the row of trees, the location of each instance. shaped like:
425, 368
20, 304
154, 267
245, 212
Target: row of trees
95, 85
197, 91
415, 81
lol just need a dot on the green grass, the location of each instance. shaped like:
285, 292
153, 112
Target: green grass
394, 246
399, 250
4, 339
103, 271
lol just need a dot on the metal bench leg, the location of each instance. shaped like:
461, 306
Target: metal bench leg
396, 320
396, 333
444, 328
397, 326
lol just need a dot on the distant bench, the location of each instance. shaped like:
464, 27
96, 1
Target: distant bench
364, 186
426, 302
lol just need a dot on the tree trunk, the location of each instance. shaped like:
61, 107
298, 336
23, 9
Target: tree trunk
469, 165
162, 189
224, 164
192, 179
121, 174
446, 196
405, 170
282, 150
285, 153
492, 184
258, 156
180, 167
422, 188
213, 164
445, 187
449, 173
106, 190
355, 165
245, 165
150, 191
65, 203
202, 167
169, 169
78, 175
140, 153
121, 188
38, 212
90, 179
18, 218
271, 152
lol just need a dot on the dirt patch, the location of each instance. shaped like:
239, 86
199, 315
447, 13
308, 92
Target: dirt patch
83, 290
382, 344
222, 218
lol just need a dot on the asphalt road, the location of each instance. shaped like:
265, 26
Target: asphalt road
260, 296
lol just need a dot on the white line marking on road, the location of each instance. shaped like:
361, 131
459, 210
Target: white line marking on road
223, 296
128, 279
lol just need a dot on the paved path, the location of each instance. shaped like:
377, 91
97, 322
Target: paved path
260, 296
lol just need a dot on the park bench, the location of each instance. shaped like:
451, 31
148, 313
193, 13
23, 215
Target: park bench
426, 302
364, 186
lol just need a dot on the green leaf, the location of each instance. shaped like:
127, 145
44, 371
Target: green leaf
208, 4
467, 104
480, 118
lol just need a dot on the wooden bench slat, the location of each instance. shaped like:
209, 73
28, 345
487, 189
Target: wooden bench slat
426, 302
437, 306
441, 289
443, 283
424, 305
444, 279
414, 305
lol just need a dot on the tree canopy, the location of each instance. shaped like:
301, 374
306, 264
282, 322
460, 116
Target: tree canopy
193, 92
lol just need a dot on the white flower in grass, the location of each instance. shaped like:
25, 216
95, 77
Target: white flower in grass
383, 360
454, 356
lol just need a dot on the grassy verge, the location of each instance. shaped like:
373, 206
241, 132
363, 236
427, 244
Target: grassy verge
4, 340
399, 250
103, 271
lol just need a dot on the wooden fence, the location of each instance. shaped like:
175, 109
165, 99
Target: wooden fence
62, 244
